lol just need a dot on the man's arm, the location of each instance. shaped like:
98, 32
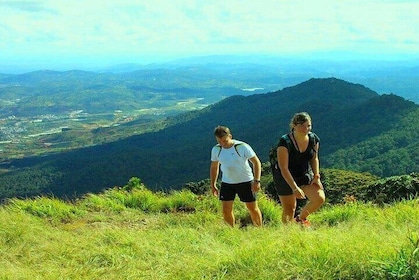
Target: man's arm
214, 170
257, 170
257, 167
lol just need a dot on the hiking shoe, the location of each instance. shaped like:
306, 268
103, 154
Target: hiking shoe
303, 222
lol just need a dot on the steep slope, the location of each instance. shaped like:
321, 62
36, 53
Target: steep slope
343, 113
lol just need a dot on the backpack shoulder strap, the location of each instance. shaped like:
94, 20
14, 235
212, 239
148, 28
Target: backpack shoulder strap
220, 148
273, 159
235, 147
288, 139
312, 141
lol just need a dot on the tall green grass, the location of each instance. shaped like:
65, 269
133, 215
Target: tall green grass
137, 234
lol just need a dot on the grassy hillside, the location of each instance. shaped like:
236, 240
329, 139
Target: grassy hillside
345, 116
133, 233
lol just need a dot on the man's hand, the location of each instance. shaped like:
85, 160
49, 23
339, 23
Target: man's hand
255, 186
214, 190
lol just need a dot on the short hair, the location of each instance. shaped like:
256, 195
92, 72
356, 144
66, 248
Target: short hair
221, 131
299, 118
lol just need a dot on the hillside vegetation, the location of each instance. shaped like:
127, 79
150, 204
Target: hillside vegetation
359, 131
130, 232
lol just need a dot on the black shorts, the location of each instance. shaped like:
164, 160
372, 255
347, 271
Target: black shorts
282, 187
243, 190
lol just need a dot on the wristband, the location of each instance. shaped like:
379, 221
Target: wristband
256, 181
317, 176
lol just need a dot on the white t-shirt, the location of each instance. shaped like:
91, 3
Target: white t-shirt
234, 162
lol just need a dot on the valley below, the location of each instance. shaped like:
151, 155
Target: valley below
23, 136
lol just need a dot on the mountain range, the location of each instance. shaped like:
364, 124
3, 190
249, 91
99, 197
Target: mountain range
359, 129
210, 78
385, 75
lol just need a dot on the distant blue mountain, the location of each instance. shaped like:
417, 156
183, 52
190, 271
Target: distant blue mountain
385, 75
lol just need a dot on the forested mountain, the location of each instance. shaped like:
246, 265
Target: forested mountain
392, 152
357, 127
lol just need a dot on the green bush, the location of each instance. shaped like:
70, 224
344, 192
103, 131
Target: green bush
392, 189
184, 201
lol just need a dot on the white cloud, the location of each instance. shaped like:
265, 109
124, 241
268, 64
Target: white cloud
134, 28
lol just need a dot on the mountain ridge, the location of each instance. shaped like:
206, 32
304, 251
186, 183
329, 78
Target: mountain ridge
179, 153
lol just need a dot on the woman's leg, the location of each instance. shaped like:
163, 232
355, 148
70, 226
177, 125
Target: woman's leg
289, 203
316, 198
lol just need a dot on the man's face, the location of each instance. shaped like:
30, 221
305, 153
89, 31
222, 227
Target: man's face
225, 141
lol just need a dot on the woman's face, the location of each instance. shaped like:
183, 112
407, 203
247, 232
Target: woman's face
304, 127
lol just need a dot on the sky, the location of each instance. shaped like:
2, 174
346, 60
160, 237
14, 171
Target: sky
86, 33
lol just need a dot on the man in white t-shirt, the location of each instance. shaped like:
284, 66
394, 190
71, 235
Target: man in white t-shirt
238, 177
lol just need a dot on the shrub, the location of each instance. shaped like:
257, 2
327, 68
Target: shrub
134, 183
341, 184
183, 200
199, 188
392, 189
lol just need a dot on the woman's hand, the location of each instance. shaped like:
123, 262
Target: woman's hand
317, 182
299, 193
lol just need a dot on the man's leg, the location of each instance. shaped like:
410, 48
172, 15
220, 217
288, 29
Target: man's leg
228, 212
255, 213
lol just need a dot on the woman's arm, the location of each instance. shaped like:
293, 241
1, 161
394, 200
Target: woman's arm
315, 166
